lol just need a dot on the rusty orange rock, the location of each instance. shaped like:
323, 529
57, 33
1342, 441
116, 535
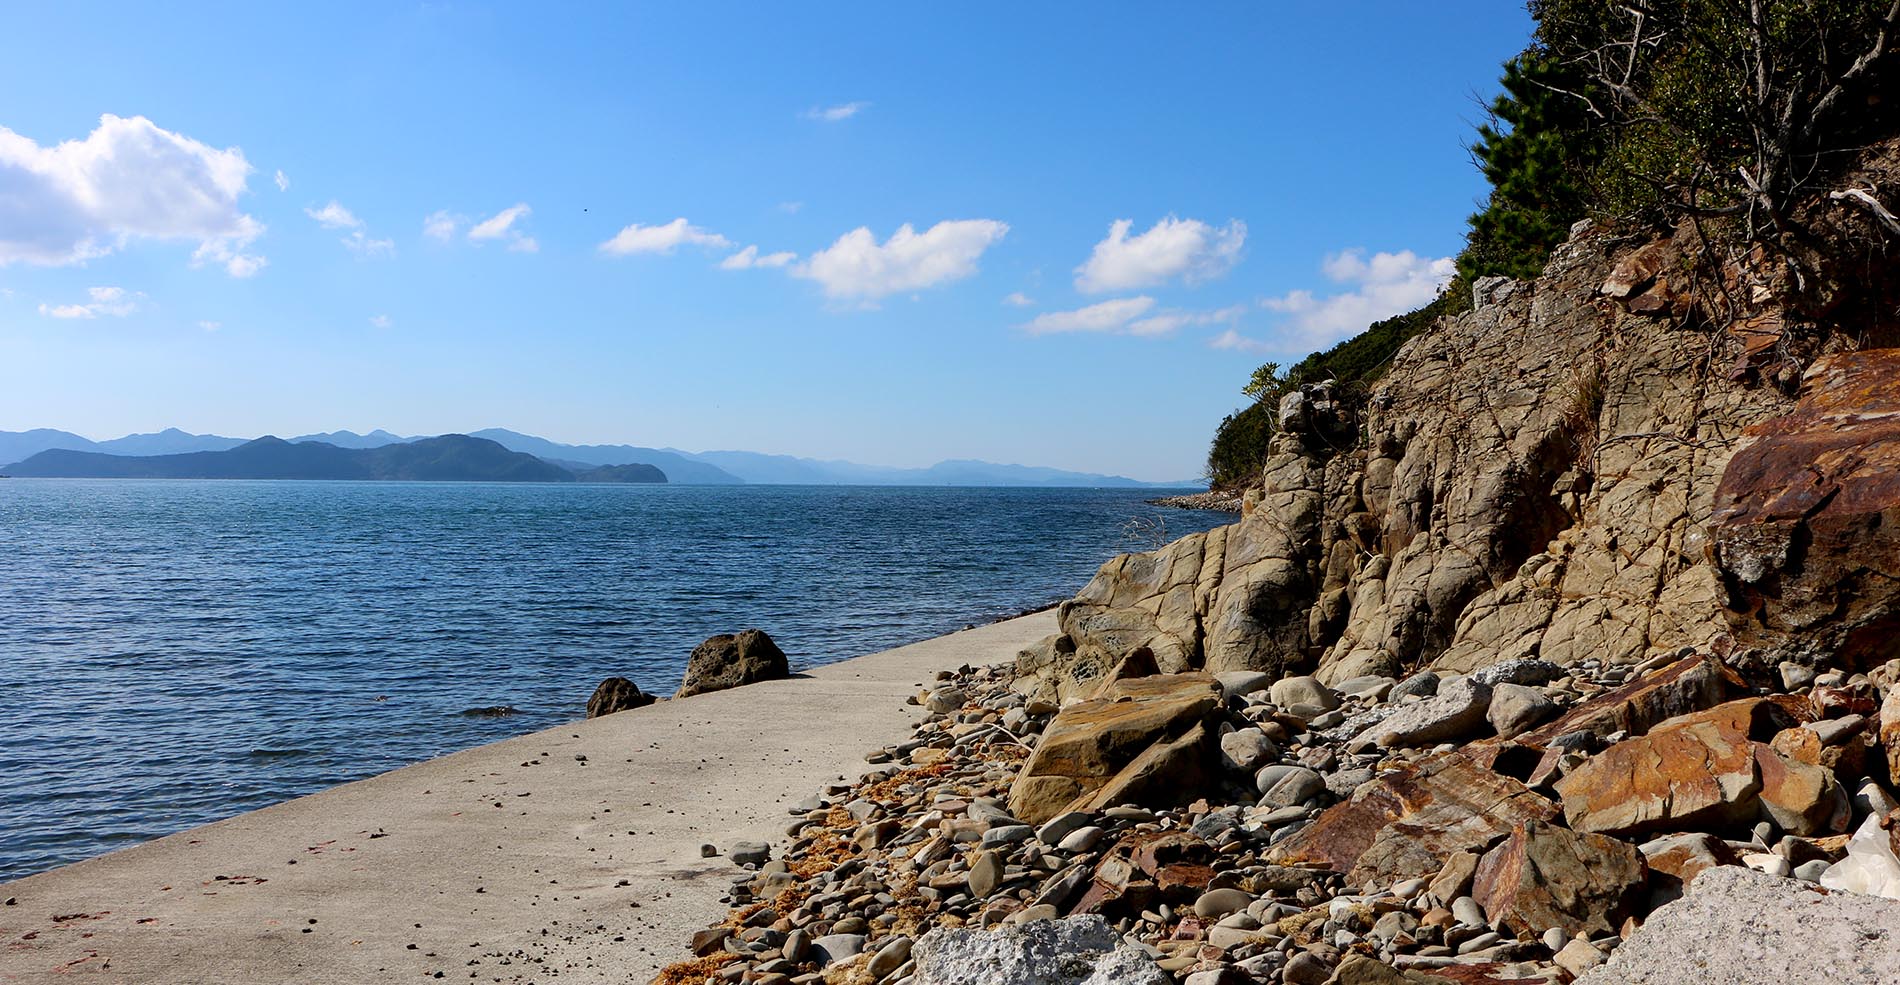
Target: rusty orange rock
1697, 770
1408, 821
1144, 741
1545, 876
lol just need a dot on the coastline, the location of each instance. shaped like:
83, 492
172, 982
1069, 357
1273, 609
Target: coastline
1222, 502
574, 848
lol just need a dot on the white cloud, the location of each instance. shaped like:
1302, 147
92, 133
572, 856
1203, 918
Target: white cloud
1169, 322
1383, 285
749, 257
790, 208
128, 179
1186, 248
637, 238
113, 302
212, 326
442, 224
1103, 316
283, 180
1019, 300
500, 225
334, 216
362, 245
524, 244
1237, 342
858, 266
379, 321
833, 114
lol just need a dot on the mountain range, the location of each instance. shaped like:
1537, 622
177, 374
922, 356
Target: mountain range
448, 458
679, 467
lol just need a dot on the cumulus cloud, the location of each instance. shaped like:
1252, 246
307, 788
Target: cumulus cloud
442, 225
114, 302
283, 180
1380, 286
858, 266
128, 179
1188, 249
749, 257
1233, 340
666, 238
334, 216
1018, 299
1169, 322
833, 114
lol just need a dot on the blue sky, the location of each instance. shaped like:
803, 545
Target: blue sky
1056, 234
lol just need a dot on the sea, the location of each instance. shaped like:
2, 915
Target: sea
175, 652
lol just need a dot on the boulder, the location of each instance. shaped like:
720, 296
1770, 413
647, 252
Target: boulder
1073, 951
1674, 860
1292, 692
1806, 526
1740, 927
1408, 821
728, 661
1515, 708
1802, 799
1455, 712
1146, 740
1544, 876
616, 694
1687, 685
1698, 770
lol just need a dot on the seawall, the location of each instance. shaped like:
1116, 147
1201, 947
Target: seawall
573, 850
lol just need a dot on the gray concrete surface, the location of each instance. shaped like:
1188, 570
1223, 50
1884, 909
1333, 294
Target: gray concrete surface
511, 862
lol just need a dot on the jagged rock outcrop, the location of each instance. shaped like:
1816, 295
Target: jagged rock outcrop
1807, 519
1537, 478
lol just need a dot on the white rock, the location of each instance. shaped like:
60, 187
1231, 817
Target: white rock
1289, 691
1071, 951
1870, 866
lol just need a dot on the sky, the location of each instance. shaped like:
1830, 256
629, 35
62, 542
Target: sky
1057, 234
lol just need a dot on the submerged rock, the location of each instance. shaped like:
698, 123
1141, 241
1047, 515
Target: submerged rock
728, 661
617, 694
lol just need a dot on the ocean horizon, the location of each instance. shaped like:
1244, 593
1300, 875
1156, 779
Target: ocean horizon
180, 651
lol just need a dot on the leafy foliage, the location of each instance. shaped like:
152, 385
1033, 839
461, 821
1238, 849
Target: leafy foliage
1536, 151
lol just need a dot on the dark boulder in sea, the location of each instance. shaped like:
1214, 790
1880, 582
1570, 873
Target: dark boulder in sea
616, 694
726, 661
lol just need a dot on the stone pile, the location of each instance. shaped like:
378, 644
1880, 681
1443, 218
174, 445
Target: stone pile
1513, 824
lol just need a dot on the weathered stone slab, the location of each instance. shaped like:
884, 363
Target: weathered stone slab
1544, 876
1122, 748
1408, 821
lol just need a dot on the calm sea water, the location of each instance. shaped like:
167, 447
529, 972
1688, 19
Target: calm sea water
176, 652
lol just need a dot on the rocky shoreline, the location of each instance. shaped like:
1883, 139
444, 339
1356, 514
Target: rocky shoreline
1231, 829
1218, 500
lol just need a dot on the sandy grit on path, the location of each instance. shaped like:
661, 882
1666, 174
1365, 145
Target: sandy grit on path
569, 855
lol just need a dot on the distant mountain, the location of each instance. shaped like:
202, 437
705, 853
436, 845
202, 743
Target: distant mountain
16, 445
678, 468
788, 470
350, 439
170, 441
449, 458
621, 473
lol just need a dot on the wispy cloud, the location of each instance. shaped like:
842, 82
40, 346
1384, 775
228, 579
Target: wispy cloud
1188, 249
790, 208
1103, 316
334, 216
501, 226
379, 321
363, 245
113, 302
283, 180
749, 257
833, 114
128, 179
442, 225
212, 326
1018, 299
665, 238
858, 266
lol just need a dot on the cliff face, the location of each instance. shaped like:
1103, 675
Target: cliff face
1534, 477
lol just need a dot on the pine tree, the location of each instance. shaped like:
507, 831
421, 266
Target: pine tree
1536, 151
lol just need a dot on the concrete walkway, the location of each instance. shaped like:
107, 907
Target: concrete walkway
569, 855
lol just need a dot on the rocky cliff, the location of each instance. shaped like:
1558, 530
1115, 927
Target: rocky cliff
1540, 476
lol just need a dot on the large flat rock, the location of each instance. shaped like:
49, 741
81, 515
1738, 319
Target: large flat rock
518, 850
1737, 926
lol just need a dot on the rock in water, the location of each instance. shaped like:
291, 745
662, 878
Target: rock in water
1740, 927
727, 661
616, 694
1073, 951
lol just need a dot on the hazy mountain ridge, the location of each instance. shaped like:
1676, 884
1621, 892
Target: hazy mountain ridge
449, 458
679, 467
